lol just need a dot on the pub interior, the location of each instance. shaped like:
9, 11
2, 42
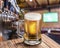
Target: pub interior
10, 14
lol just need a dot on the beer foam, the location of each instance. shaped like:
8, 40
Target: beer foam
32, 16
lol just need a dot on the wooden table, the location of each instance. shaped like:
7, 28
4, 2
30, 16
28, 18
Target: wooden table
18, 43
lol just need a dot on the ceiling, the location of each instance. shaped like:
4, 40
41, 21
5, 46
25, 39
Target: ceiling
38, 3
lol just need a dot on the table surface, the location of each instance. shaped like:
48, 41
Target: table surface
18, 43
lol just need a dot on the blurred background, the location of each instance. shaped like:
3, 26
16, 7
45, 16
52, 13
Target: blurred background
13, 10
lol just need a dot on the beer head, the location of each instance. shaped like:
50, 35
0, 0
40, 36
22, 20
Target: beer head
32, 16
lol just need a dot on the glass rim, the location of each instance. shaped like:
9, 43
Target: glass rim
32, 16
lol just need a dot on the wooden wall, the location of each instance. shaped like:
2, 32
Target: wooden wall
51, 25
53, 2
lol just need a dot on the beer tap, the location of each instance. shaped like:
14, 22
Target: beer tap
17, 8
15, 5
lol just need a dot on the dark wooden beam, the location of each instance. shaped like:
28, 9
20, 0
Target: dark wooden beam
37, 3
27, 4
46, 7
59, 1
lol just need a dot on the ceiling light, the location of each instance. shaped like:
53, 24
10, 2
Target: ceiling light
30, 0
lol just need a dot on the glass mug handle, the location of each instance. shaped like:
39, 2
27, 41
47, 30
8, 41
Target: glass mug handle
20, 28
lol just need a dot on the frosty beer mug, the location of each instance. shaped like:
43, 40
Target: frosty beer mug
32, 26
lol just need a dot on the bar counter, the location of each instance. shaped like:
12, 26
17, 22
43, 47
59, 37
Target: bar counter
18, 43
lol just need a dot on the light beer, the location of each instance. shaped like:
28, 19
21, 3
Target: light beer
32, 28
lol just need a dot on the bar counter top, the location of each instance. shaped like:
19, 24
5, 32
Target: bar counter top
18, 43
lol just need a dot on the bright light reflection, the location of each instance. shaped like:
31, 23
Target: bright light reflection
30, 0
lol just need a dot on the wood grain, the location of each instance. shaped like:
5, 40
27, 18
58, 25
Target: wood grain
18, 43
50, 42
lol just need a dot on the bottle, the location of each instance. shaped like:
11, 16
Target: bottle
19, 6
22, 3
22, 13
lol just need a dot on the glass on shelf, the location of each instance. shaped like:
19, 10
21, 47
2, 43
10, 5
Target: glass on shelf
20, 28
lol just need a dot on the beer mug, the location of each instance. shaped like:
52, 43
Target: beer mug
32, 28
20, 28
